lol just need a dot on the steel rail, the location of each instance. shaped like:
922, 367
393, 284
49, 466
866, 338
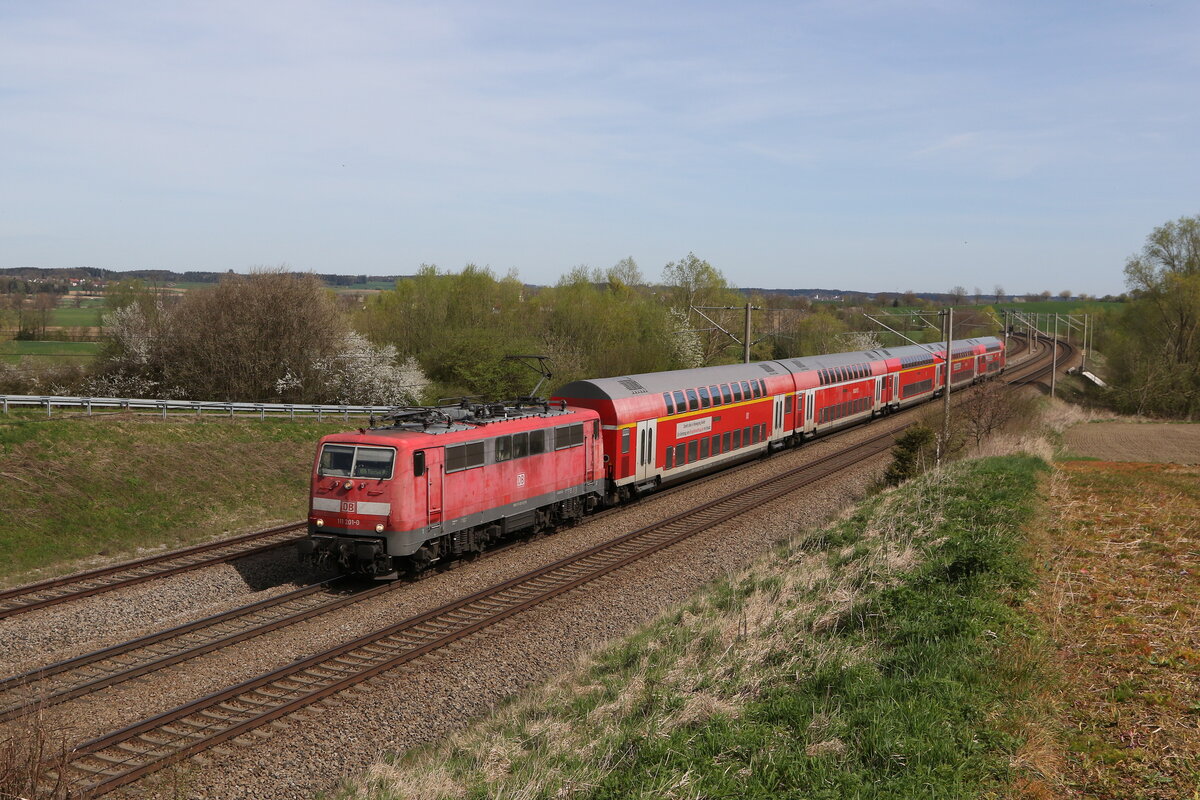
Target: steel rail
56, 683
21, 599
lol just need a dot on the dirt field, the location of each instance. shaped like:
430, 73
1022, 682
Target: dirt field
1136, 441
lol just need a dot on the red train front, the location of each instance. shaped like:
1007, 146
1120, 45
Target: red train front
437, 483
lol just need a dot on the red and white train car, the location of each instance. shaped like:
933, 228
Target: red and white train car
668, 426
444, 482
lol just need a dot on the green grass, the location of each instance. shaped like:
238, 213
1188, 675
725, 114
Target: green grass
71, 317
874, 659
79, 486
48, 353
1059, 306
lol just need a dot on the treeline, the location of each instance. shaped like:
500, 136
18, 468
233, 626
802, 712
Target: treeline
1153, 344
278, 336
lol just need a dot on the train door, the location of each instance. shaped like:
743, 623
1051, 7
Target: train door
590, 440
809, 398
645, 450
778, 414
435, 484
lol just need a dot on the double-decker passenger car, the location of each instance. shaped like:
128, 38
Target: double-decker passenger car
443, 482
664, 427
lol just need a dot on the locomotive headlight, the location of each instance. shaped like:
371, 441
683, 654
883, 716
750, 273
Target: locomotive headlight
348, 485
379, 528
320, 523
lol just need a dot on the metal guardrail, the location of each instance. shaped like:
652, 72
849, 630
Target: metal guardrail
197, 407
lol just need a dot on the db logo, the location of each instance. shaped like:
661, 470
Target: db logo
520, 479
348, 508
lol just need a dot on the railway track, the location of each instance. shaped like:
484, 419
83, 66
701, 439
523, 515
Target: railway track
85, 584
56, 683
116, 759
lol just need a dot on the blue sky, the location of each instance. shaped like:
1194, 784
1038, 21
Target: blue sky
858, 145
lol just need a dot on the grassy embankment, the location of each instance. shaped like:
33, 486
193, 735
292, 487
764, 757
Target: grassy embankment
77, 487
881, 657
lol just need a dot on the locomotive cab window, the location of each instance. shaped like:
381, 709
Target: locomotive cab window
625, 440
350, 461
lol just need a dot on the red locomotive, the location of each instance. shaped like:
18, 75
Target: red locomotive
440, 483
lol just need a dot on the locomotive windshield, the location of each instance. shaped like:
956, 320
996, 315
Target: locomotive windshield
349, 461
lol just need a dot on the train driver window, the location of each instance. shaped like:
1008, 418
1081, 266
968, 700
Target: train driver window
419, 463
705, 402
337, 459
625, 440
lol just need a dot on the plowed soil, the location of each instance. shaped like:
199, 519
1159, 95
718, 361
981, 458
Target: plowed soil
1167, 443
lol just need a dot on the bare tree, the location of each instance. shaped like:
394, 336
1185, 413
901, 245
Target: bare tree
986, 409
998, 290
957, 293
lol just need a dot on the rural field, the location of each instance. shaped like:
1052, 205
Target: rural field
1119, 600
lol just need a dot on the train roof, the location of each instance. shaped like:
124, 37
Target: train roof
657, 382
441, 420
